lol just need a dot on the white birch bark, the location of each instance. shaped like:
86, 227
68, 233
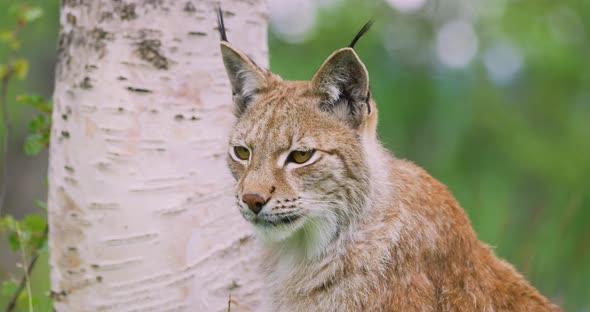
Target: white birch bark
141, 207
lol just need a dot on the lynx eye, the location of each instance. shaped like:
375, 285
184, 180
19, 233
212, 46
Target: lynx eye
241, 152
300, 157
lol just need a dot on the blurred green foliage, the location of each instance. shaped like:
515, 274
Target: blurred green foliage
39, 126
26, 237
515, 153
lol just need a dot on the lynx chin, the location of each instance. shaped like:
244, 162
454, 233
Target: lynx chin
345, 226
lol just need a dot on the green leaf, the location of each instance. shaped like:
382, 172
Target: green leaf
33, 125
38, 123
9, 288
36, 101
31, 99
20, 67
34, 144
32, 14
13, 241
35, 222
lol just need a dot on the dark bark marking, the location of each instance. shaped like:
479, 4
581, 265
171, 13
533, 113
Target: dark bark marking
90, 68
197, 33
63, 54
71, 19
58, 296
139, 90
104, 16
149, 50
155, 4
85, 84
92, 39
127, 12
234, 285
189, 7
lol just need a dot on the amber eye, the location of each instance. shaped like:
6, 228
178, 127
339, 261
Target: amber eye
241, 152
300, 157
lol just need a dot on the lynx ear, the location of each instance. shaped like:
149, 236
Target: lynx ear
343, 81
245, 76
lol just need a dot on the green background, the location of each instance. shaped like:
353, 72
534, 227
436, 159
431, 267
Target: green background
515, 153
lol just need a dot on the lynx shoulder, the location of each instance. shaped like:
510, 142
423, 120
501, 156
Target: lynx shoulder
345, 225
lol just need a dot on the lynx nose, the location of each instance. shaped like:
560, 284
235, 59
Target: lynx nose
254, 202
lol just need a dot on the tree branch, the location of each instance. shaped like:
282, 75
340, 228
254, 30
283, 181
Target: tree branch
23, 282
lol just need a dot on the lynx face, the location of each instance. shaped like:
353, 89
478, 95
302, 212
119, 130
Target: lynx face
303, 168
298, 150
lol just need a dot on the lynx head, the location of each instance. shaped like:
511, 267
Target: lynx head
298, 149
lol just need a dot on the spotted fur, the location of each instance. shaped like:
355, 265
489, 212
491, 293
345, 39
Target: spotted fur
354, 229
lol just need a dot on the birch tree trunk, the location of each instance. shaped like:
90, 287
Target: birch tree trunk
141, 208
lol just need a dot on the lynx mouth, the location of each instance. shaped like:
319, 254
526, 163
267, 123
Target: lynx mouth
288, 219
283, 220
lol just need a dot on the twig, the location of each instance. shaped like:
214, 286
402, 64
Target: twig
24, 280
26, 268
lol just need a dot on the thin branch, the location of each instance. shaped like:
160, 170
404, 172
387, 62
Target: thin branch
27, 276
24, 280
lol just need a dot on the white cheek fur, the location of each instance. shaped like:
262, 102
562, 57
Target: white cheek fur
282, 159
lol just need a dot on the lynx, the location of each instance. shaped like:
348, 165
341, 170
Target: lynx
344, 225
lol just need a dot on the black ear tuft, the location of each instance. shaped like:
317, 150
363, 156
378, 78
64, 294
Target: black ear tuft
361, 32
220, 24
